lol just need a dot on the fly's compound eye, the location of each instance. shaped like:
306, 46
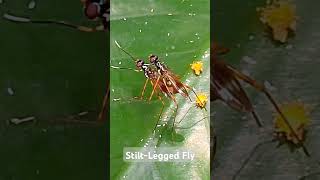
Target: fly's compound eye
139, 63
153, 58
92, 10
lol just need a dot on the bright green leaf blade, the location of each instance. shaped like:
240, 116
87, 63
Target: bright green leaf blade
178, 32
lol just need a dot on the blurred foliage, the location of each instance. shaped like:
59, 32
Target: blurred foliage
289, 69
54, 72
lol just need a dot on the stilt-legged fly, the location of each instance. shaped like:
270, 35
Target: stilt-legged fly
225, 86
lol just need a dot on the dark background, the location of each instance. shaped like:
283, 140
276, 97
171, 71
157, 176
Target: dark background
54, 72
291, 68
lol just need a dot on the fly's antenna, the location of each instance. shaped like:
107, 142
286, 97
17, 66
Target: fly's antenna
134, 59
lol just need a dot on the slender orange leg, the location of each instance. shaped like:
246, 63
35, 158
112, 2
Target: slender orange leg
175, 102
104, 105
160, 98
145, 84
144, 88
154, 88
261, 88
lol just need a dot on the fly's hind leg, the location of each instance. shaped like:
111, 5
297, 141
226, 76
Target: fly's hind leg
144, 89
154, 87
255, 116
104, 105
171, 96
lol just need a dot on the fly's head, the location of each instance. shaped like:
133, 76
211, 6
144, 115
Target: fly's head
139, 64
92, 10
153, 59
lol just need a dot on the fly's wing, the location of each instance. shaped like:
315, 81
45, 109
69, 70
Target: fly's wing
168, 91
169, 72
173, 82
174, 76
177, 84
227, 88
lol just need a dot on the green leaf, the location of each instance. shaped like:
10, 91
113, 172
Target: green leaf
178, 32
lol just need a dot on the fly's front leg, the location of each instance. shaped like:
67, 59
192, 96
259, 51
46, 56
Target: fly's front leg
104, 105
144, 88
154, 87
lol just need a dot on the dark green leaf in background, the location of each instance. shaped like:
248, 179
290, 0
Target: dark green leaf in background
54, 72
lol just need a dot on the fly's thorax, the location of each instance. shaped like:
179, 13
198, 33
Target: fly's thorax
142, 66
162, 69
154, 59
148, 71
152, 74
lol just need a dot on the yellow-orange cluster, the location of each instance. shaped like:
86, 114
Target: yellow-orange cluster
298, 116
280, 16
197, 67
201, 100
